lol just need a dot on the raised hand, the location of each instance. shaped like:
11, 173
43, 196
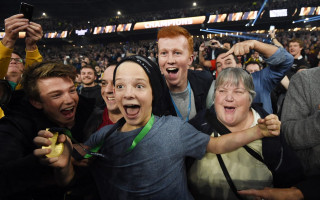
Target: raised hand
33, 34
13, 25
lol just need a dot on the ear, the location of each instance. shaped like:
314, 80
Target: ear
190, 59
36, 104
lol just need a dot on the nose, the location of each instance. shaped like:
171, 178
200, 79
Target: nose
171, 59
68, 98
108, 89
229, 97
129, 92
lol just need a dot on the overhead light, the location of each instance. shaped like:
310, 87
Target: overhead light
44, 14
118, 13
194, 4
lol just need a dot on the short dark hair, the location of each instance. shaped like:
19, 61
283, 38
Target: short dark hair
219, 51
90, 67
297, 40
253, 62
44, 70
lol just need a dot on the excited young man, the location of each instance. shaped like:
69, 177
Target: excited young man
188, 89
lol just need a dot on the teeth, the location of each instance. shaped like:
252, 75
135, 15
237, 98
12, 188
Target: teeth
68, 108
171, 68
111, 98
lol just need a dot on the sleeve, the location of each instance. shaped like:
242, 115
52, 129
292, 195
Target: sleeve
300, 120
278, 64
5, 55
32, 57
20, 170
194, 142
96, 138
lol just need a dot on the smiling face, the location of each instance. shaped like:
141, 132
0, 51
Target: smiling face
232, 104
133, 95
107, 89
87, 77
295, 49
174, 60
58, 100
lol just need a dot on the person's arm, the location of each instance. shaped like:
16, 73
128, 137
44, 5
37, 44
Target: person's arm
267, 127
272, 34
285, 82
300, 113
13, 25
202, 61
34, 33
244, 47
274, 193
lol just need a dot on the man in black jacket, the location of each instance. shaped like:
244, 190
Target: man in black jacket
187, 89
49, 100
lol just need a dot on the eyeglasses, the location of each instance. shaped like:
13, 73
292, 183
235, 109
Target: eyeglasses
19, 60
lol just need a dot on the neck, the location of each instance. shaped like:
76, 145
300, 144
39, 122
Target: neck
89, 85
244, 124
297, 56
179, 87
114, 116
13, 78
128, 127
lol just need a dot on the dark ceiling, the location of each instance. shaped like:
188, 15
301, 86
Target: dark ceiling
88, 9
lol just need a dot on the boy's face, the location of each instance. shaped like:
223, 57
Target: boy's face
87, 76
58, 100
133, 94
174, 60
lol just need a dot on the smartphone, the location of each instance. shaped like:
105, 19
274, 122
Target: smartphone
207, 43
26, 10
271, 28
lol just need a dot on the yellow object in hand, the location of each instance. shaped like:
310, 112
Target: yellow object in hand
56, 149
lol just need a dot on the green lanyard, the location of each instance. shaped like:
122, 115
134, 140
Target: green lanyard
136, 140
142, 133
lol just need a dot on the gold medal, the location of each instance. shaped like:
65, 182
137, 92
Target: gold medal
56, 149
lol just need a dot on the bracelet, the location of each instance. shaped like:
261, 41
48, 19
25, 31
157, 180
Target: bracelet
273, 38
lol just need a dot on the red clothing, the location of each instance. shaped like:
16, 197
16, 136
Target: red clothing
213, 64
105, 119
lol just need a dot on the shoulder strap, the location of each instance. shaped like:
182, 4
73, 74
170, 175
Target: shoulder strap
226, 173
212, 119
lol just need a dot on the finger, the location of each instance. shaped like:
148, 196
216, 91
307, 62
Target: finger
41, 152
41, 141
15, 16
62, 138
15, 28
45, 133
228, 53
251, 192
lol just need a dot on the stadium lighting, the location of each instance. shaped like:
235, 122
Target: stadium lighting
118, 13
44, 14
194, 4
261, 9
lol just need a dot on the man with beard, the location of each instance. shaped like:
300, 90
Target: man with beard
90, 89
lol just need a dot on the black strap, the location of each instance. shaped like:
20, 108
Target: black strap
212, 119
226, 173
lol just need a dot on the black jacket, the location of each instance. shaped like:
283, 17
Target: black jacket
21, 174
200, 82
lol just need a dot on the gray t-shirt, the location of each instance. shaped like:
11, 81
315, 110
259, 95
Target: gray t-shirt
155, 168
181, 100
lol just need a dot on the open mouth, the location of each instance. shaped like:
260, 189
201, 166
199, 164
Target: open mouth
229, 109
68, 112
111, 98
132, 110
172, 70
